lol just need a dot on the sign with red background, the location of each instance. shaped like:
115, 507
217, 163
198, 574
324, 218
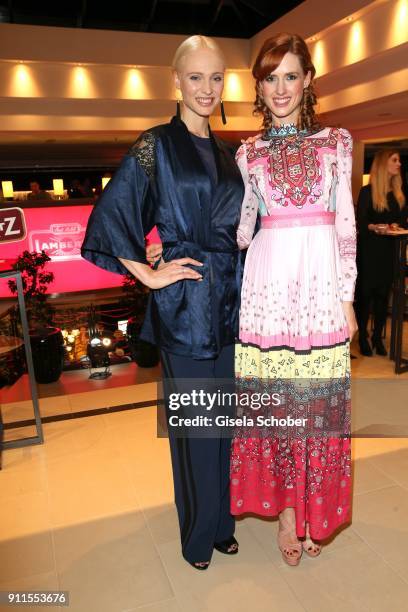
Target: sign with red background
60, 232
12, 225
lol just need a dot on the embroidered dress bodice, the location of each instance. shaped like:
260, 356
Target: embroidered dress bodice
302, 177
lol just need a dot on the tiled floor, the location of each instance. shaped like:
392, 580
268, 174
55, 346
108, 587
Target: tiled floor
75, 392
91, 511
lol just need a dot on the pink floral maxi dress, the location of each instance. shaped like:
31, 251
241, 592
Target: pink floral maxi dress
300, 267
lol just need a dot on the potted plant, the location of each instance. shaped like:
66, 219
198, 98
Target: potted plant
46, 340
143, 353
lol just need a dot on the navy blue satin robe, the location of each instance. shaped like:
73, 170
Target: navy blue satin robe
162, 181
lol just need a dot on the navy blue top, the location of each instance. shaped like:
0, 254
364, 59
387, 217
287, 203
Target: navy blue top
206, 153
164, 181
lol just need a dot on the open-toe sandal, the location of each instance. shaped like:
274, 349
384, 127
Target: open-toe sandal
311, 548
200, 565
228, 547
288, 543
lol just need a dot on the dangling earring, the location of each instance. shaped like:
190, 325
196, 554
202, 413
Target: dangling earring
178, 113
223, 117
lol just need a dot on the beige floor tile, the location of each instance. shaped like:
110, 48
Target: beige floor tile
394, 465
128, 423
99, 398
147, 452
27, 458
25, 556
19, 433
231, 584
162, 521
350, 579
39, 582
89, 485
380, 519
379, 406
154, 485
69, 437
154, 492
50, 406
24, 515
264, 532
169, 605
366, 477
25, 531
102, 397
17, 411
93, 470
110, 565
147, 457
371, 447
19, 482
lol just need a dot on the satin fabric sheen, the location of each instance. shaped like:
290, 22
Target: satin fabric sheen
194, 220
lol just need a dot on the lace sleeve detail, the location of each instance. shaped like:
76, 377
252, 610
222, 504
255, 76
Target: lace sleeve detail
249, 208
144, 151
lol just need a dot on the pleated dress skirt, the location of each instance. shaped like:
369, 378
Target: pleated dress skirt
294, 342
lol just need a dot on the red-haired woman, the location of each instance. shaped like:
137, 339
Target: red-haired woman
297, 317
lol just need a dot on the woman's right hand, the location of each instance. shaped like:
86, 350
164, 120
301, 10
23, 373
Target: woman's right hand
171, 272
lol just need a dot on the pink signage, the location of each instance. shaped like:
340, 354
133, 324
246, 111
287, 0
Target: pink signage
59, 232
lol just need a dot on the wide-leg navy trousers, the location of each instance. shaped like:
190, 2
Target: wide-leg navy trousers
200, 465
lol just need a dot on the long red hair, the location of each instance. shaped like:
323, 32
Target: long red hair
268, 59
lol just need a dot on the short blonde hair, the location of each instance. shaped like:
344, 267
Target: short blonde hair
192, 43
381, 183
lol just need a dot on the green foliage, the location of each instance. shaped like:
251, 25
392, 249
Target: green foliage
35, 283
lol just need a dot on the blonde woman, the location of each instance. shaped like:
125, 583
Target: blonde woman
182, 179
380, 204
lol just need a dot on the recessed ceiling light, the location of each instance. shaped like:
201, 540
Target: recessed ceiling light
349, 19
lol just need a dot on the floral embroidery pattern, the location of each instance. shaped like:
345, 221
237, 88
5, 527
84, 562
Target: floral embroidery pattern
293, 335
293, 170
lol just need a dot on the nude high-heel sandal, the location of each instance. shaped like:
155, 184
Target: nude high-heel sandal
288, 543
310, 547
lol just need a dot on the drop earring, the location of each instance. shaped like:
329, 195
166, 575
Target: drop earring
223, 117
178, 113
